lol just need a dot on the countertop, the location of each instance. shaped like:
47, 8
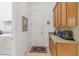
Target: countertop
60, 40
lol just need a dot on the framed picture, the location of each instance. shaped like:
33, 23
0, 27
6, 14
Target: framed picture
48, 22
24, 23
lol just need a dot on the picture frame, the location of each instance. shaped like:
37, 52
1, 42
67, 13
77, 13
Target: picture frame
48, 22
24, 23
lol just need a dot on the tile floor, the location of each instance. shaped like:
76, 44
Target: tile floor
37, 54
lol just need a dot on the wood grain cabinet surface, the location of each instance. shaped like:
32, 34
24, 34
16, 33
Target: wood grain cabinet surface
59, 14
59, 47
65, 14
66, 49
72, 14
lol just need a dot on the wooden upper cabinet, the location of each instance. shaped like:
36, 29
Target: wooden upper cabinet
59, 14
54, 20
72, 14
65, 14
55, 17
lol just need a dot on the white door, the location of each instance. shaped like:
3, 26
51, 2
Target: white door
37, 28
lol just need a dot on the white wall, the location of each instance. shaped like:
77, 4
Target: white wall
21, 38
46, 8
5, 14
5, 10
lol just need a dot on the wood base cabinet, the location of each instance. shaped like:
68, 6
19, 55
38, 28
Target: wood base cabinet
60, 47
66, 49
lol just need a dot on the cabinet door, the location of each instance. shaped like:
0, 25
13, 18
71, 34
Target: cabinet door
67, 49
51, 45
63, 15
72, 14
55, 17
59, 14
